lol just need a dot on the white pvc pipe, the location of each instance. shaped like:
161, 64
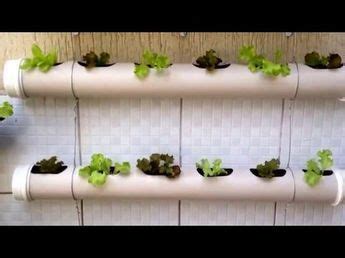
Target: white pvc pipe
181, 80
342, 184
57, 82
321, 83
328, 190
29, 186
240, 185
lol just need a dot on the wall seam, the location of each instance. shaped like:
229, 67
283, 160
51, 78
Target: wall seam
77, 140
180, 156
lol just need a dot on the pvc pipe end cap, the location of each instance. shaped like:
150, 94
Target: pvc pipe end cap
11, 78
19, 183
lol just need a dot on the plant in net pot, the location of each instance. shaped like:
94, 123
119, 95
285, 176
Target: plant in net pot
316, 168
268, 169
159, 164
206, 169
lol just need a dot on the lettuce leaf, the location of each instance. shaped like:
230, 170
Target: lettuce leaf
39, 60
151, 60
260, 63
315, 168
123, 168
266, 169
97, 178
214, 170
6, 110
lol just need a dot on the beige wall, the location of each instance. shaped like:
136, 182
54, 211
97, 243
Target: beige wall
129, 46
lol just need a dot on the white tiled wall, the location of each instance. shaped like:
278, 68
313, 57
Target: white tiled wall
309, 214
46, 212
242, 132
131, 212
226, 213
318, 124
128, 129
40, 128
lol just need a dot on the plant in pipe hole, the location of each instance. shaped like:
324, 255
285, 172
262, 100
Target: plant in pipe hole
317, 167
39, 60
100, 167
6, 110
93, 60
210, 61
51, 166
260, 63
159, 164
267, 169
151, 60
315, 60
211, 170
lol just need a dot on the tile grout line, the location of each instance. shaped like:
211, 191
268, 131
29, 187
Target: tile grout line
76, 133
281, 128
180, 156
279, 152
77, 139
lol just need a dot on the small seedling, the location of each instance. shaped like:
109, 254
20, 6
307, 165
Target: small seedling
50, 165
39, 60
6, 110
315, 60
151, 60
210, 60
266, 170
316, 168
159, 164
100, 168
260, 63
92, 60
211, 170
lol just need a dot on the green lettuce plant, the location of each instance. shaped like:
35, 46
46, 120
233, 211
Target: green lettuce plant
100, 167
51, 165
151, 60
315, 60
159, 164
6, 110
211, 170
39, 60
266, 169
316, 167
260, 63
210, 61
93, 60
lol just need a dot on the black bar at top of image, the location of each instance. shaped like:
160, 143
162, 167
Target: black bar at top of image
172, 16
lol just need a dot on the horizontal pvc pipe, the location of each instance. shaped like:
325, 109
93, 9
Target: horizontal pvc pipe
240, 185
29, 186
11, 78
321, 83
57, 82
328, 190
181, 80
20, 187
342, 183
